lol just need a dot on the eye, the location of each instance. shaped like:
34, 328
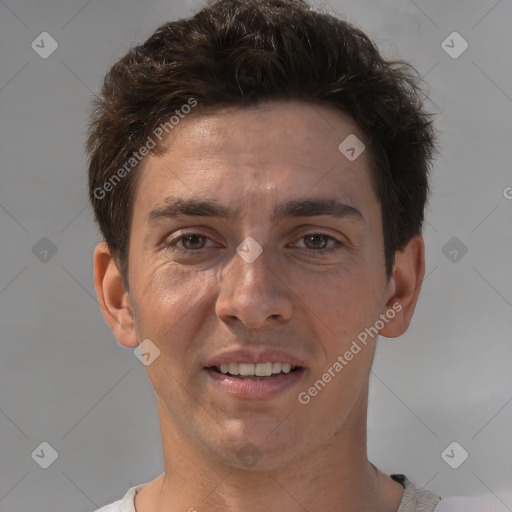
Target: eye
319, 242
189, 242
192, 241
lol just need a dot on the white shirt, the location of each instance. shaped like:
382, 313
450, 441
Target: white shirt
414, 499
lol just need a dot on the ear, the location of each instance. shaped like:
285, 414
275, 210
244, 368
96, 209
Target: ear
113, 298
404, 287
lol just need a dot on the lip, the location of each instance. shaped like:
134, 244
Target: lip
255, 356
255, 389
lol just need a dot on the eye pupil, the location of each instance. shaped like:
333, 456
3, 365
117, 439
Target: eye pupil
311, 241
193, 241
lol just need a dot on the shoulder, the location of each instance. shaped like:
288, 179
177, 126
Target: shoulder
416, 499
126, 504
480, 503
113, 507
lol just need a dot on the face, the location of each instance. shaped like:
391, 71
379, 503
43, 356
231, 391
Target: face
257, 247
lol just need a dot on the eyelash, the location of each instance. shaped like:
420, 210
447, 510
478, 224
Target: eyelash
322, 252
316, 252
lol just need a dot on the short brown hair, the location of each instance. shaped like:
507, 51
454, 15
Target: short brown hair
242, 52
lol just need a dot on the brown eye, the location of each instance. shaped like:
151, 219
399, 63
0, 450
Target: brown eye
316, 241
192, 241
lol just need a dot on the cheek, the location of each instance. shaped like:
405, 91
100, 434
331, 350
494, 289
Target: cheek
172, 309
171, 304
344, 302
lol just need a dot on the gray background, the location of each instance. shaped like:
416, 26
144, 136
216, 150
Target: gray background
64, 379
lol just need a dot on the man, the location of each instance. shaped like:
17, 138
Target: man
259, 175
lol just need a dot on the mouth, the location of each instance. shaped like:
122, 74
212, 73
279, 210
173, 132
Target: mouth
254, 371
255, 381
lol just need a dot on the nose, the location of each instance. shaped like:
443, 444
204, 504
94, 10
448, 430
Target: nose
253, 293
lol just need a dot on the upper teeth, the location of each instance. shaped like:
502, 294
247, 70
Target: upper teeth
259, 369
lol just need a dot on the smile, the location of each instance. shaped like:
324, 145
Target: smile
251, 371
246, 383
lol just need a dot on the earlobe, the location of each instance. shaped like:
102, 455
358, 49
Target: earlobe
404, 287
113, 298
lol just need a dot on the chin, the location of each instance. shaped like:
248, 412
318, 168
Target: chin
261, 444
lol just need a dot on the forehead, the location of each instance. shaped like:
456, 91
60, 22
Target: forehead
261, 128
257, 155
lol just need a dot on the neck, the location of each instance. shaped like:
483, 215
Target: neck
335, 477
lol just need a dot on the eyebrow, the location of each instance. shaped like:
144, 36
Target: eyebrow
311, 207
